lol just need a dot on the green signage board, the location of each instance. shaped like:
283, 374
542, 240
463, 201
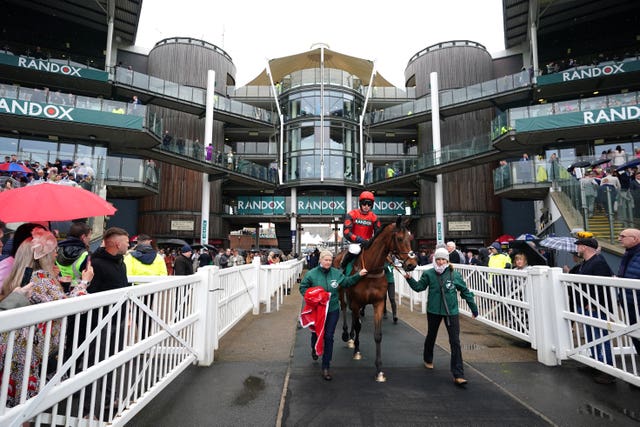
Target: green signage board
314, 205
581, 118
581, 73
68, 114
53, 67
261, 205
318, 205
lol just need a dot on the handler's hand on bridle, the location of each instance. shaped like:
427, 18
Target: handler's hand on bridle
363, 272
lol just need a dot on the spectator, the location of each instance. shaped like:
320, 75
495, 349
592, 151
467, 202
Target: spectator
183, 265
594, 301
144, 259
110, 273
20, 235
236, 258
205, 258
497, 259
73, 253
167, 139
208, 152
630, 269
36, 252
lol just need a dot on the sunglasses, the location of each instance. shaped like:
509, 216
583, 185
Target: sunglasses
366, 203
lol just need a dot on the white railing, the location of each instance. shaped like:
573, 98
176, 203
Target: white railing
101, 358
590, 319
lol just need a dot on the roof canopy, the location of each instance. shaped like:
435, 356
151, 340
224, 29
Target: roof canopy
281, 67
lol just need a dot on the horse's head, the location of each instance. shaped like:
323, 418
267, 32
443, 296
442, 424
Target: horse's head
400, 248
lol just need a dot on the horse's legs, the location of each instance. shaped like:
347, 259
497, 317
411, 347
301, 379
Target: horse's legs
378, 310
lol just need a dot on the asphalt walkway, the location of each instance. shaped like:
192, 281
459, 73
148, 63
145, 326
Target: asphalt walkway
264, 376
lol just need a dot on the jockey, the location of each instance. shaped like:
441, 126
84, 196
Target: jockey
360, 225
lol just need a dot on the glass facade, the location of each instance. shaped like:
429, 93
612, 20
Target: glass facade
321, 126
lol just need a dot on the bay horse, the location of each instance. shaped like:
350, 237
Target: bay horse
392, 244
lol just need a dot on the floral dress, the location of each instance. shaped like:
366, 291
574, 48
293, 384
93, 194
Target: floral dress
45, 289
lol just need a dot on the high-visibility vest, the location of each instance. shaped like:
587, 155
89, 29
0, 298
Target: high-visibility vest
73, 270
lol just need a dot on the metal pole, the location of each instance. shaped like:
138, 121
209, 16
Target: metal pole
208, 139
435, 126
111, 10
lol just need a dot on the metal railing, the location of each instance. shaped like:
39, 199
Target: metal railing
449, 97
105, 356
590, 319
194, 95
506, 121
413, 164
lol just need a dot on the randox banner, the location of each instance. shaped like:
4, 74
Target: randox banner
261, 205
581, 118
53, 67
68, 114
581, 73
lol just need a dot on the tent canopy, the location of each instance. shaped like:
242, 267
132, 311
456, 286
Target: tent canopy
280, 67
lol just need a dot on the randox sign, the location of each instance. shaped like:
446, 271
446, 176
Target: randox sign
589, 73
265, 205
581, 118
34, 109
69, 114
53, 67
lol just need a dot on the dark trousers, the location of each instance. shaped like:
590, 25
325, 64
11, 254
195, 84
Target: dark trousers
391, 291
329, 331
453, 329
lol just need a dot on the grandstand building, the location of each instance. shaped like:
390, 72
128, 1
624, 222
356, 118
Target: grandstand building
300, 141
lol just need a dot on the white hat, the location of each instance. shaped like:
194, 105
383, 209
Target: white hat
441, 253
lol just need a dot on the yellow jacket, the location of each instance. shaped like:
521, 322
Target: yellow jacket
135, 267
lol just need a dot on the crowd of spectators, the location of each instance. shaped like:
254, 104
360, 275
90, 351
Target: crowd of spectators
563, 64
17, 173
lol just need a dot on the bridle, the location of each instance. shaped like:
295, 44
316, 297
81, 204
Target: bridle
396, 255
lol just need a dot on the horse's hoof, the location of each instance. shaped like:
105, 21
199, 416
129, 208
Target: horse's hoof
357, 356
351, 344
380, 378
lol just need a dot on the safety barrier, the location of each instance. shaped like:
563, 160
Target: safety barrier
99, 359
591, 319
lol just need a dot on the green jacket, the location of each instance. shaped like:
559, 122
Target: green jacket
451, 282
329, 280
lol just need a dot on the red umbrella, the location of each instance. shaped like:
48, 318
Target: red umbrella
505, 238
51, 202
14, 167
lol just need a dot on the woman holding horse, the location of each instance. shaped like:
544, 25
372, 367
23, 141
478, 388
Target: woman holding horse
328, 278
443, 284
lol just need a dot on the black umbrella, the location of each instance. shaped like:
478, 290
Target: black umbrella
528, 248
630, 164
206, 245
599, 162
580, 164
172, 242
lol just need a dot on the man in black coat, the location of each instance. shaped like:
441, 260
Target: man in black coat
109, 273
183, 266
592, 299
108, 261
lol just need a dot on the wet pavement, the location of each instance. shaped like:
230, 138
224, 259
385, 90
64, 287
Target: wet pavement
264, 375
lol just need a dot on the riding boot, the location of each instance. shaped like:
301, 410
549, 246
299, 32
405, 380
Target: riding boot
346, 260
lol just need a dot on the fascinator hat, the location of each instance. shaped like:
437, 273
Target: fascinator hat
43, 243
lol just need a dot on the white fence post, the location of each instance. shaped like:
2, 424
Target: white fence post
256, 296
206, 338
547, 304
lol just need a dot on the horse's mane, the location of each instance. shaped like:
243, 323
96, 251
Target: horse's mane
382, 228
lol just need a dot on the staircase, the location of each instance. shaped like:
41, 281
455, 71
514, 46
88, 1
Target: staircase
599, 226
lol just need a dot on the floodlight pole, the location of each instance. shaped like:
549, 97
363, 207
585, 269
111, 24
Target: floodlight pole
435, 128
208, 139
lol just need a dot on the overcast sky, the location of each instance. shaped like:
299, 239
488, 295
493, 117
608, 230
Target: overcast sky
389, 33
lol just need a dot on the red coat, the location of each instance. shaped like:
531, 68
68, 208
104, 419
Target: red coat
358, 224
314, 314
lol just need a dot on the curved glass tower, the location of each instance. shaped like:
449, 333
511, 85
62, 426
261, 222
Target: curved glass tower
321, 109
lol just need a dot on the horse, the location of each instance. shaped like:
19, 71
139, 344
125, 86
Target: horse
392, 244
